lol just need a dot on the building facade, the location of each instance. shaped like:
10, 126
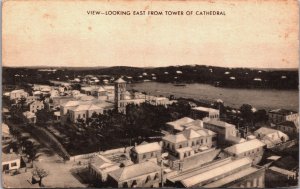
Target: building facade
18, 94
289, 127
202, 112
281, 115
146, 174
225, 173
35, 106
270, 137
225, 131
145, 152
120, 93
252, 149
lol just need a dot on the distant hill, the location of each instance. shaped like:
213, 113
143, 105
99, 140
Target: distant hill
218, 76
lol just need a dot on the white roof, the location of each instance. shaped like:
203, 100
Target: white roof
180, 122
29, 114
175, 138
282, 171
194, 124
135, 170
205, 109
245, 146
219, 123
251, 137
265, 131
190, 134
205, 132
71, 103
274, 158
85, 107
149, 147
86, 98
216, 172
120, 80
107, 87
101, 89
17, 91
5, 128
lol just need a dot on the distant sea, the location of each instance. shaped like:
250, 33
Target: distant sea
258, 98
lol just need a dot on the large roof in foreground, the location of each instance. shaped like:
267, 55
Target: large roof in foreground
148, 147
134, 170
215, 172
245, 146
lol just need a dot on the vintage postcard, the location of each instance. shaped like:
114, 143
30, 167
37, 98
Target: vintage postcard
129, 93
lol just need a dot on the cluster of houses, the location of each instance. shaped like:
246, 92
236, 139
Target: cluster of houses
196, 151
201, 151
10, 160
70, 105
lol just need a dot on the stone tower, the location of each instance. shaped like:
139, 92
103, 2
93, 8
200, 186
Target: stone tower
120, 90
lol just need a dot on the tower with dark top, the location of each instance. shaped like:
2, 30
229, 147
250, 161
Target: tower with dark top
120, 90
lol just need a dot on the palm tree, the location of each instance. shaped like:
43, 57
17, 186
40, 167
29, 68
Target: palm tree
32, 153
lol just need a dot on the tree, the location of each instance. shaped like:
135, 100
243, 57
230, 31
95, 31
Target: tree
246, 112
80, 123
43, 116
40, 173
260, 116
32, 153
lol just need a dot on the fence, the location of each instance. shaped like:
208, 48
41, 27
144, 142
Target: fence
108, 152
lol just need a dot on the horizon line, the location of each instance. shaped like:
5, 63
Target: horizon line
46, 66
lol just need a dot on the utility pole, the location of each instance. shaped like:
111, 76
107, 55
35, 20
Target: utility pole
162, 173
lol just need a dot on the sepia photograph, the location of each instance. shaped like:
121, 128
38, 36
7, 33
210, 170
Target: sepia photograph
144, 94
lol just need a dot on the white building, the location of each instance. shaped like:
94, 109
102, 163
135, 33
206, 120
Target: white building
202, 112
270, 137
10, 161
18, 94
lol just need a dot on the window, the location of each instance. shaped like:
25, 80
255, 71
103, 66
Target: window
180, 146
125, 185
201, 141
83, 115
144, 156
13, 164
134, 184
148, 179
78, 116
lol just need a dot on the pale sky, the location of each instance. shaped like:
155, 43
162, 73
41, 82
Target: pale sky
61, 33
